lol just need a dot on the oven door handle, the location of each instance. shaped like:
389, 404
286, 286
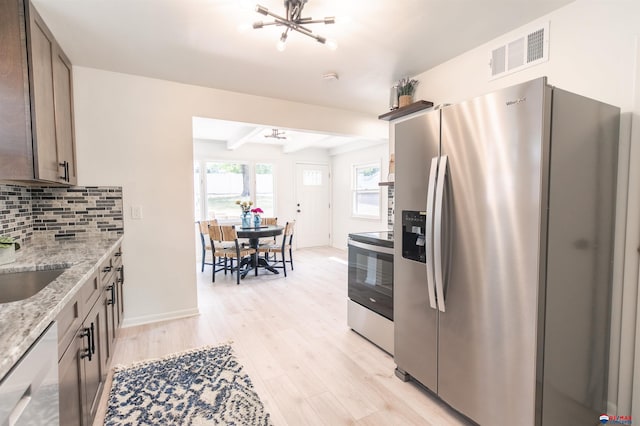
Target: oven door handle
371, 247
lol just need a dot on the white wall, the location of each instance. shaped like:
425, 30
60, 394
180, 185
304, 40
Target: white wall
593, 52
343, 222
136, 132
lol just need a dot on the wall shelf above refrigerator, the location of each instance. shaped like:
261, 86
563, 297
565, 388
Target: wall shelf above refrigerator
406, 110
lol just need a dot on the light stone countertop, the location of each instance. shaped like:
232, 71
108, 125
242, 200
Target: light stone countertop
22, 322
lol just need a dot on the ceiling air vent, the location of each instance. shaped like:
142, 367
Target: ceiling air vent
531, 48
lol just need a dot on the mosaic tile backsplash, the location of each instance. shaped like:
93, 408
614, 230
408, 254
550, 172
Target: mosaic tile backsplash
60, 213
15, 212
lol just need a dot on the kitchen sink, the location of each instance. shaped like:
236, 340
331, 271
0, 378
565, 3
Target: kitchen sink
16, 286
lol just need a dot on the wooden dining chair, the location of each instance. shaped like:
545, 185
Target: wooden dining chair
206, 243
270, 240
220, 251
269, 221
238, 252
282, 247
203, 226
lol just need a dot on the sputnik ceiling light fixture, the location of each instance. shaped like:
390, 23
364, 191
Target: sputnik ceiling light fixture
295, 22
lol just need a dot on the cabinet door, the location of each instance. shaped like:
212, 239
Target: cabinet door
71, 384
94, 376
120, 293
109, 310
42, 101
16, 156
63, 100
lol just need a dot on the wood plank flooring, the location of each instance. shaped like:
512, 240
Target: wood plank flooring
292, 337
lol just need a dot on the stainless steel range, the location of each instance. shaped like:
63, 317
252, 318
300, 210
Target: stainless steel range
370, 284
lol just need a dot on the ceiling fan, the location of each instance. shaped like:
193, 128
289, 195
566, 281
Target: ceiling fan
276, 134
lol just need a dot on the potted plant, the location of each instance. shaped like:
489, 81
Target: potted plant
8, 247
406, 88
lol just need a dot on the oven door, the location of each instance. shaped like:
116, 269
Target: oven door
371, 277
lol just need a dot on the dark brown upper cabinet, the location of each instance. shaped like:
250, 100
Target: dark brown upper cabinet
37, 140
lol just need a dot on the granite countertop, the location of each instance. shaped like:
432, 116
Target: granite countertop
22, 322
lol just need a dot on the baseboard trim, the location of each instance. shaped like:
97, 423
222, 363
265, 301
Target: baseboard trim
149, 319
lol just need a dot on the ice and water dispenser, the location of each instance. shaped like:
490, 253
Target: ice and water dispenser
413, 235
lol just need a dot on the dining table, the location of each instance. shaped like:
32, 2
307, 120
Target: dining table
253, 234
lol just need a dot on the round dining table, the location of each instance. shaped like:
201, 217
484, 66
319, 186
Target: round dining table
254, 234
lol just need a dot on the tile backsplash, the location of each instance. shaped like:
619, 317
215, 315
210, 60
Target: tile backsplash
15, 212
58, 212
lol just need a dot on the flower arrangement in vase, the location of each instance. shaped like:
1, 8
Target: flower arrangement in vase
246, 212
406, 89
256, 216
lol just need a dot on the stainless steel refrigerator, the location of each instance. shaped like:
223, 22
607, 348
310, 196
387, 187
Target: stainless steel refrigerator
503, 256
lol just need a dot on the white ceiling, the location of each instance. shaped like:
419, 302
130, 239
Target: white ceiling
198, 42
235, 135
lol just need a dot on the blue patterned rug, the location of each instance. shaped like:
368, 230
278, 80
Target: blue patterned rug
204, 386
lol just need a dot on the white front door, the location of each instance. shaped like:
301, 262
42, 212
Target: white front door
312, 205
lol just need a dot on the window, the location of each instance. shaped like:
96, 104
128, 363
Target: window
226, 183
311, 177
264, 189
366, 192
221, 184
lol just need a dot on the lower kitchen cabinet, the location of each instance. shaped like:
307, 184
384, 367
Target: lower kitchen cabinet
80, 371
119, 305
108, 309
112, 277
95, 368
84, 360
71, 383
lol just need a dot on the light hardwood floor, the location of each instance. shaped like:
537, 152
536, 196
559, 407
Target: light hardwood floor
292, 337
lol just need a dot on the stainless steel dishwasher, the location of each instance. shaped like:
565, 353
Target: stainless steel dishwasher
29, 392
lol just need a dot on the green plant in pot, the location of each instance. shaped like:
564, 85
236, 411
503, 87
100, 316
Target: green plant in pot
8, 247
406, 89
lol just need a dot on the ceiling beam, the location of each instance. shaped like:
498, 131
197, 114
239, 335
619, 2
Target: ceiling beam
235, 143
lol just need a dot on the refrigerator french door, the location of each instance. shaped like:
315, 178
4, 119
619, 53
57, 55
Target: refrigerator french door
499, 315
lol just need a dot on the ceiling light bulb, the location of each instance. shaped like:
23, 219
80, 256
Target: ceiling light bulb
262, 9
330, 20
282, 43
331, 44
342, 19
244, 27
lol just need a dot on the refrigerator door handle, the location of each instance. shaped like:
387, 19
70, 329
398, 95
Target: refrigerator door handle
437, 232
431, 189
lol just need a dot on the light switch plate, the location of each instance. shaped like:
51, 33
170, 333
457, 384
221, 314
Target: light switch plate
136, 212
